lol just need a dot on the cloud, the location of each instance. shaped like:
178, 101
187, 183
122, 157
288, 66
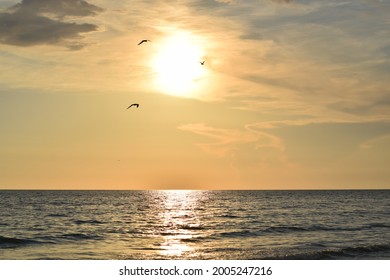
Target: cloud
31, 22
378, 106
57, 7
276, 1
282, 1
314, 58
325, 143
224, 139
27, 30
226, 1
248, 147
378, 142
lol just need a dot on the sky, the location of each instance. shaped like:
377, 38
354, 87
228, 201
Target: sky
293, 94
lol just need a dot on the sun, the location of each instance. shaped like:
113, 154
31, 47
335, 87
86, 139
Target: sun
177, 64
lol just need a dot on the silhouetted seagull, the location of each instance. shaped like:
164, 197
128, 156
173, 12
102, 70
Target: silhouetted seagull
135, 104
202, 62
143, 41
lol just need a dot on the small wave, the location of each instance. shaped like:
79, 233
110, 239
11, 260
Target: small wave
291, 230
8, 242
262, 231
192, 227
377, 225
359, 252
182, 216
91, 222
287, 229
146, 248
56, 215
229, 216
240, 233
192, 239
79, 236
169, 233
317, 244
283, 229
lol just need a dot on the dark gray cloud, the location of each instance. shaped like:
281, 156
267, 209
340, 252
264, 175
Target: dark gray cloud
22, 29
31, 22
57, 7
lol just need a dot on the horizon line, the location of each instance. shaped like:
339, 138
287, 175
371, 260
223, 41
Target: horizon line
195, 189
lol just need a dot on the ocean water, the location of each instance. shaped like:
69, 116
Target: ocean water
203, 225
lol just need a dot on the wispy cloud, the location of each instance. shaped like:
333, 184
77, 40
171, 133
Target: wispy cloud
36, 22
246, 147
378, 142
282, 1
225, 140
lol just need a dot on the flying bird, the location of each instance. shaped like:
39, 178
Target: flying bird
135, 104
143, 41
202, 62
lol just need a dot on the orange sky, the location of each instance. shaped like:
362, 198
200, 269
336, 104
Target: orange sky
292, 94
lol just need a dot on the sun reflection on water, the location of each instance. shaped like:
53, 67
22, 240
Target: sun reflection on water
180, 222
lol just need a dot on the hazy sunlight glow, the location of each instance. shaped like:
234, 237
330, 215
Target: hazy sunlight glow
177, 65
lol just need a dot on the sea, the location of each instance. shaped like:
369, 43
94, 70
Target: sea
195, 225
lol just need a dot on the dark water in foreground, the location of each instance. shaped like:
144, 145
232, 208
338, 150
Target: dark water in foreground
195, 225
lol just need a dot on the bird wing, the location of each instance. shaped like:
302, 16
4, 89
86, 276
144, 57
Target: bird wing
143, 41
135, 104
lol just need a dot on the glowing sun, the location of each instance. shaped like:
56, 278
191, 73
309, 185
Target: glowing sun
178, 64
